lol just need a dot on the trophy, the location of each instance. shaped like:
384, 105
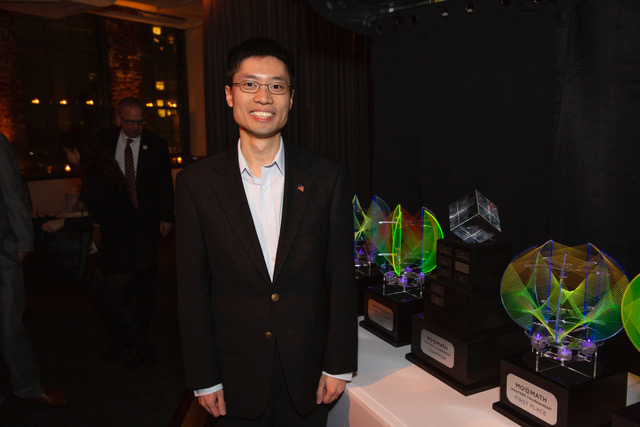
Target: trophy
567, 300
630, 310
404, 250
474, 219
463, 330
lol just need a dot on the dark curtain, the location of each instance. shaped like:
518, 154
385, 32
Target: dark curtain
331, 106
464, 100
535, 104
596, 151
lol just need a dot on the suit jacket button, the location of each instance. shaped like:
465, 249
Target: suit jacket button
268, 335
275, 297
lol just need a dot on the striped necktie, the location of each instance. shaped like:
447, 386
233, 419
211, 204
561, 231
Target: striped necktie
130, 173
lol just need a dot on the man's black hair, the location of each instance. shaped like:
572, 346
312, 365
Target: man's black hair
257, 47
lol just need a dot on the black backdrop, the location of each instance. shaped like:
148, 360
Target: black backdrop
536, 105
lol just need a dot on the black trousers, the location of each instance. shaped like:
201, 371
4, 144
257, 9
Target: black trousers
111, 292
280, 411
15, 346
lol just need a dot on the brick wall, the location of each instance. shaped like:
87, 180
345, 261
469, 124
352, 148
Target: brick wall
125, 61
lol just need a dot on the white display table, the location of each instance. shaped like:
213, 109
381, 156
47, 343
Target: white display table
388, 390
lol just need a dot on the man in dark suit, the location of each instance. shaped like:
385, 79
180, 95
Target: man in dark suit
144, 160
266, 288
16, 240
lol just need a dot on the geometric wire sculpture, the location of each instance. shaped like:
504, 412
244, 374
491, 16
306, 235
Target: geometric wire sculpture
369, 229
566, 298
631, 311
400, 243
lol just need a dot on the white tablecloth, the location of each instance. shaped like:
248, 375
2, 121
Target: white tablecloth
388, 390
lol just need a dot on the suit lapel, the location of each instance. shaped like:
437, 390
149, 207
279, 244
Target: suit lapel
143, 157
297, 186
227, 184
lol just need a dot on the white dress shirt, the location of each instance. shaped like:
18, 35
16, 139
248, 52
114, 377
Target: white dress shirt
264, 195
135, 150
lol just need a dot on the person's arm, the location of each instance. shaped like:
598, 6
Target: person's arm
194, 303
13, 193
341, 351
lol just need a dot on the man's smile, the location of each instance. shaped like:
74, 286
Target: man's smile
262, 114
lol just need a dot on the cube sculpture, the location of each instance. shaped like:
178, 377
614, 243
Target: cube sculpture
474, 218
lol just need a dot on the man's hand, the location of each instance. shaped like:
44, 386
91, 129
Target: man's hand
53, 225
165, 228
214, 403
329, 389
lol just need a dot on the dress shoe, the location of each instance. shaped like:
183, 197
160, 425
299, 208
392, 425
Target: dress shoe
52, 397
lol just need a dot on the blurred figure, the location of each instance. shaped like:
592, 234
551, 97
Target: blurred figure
144, 161
105, 199
16, 240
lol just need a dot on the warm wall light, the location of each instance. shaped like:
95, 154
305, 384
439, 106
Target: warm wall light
35, 101
63, 102
159, 85
157, 30
160, 102
149, 104
67, 168
89, 101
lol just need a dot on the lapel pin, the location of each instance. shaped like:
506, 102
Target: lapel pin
301, 188
144, 147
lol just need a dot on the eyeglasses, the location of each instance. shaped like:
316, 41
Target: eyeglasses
132, 122
249, 86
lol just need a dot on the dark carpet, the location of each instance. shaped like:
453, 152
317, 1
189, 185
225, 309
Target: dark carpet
68, 336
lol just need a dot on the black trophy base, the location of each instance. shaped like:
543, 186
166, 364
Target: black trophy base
366, 276
556, 395
468, 364
627, 417
463, 312
472, 265
388, 311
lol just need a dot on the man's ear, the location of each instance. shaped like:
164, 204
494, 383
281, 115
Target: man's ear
227, 93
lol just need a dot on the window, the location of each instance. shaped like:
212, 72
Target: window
161, 87
62, 83
65, 75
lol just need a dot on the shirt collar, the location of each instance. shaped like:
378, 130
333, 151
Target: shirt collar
123, 138
278, 160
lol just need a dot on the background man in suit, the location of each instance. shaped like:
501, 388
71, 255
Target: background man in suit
16, 240
151, 190
264, 235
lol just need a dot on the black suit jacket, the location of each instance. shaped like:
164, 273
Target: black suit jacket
154, 184
232, 314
